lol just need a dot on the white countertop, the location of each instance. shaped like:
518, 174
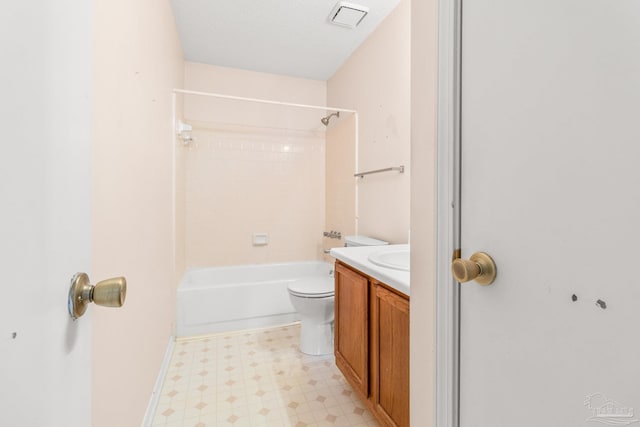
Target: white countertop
358, 258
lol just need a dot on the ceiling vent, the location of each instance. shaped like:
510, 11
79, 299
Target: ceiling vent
348, 14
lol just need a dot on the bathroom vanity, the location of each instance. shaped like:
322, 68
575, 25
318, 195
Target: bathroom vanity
372, 333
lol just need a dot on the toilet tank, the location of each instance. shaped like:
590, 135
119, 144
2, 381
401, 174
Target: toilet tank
363, 241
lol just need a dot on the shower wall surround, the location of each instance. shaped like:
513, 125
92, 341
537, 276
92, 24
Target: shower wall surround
238, 184
252, 168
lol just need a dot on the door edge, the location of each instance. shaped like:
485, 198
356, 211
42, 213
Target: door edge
448, 213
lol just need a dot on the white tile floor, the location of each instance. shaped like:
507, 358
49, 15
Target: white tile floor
255, 378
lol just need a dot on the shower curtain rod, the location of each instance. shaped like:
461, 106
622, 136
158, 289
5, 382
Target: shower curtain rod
262, 101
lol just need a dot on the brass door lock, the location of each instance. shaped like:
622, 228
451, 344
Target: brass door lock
107, 293
479, 267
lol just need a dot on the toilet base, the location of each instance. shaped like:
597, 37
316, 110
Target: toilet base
316, 339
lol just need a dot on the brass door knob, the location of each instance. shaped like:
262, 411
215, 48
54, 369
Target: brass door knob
479, 267
107, 293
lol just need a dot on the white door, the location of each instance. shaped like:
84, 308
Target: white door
45, 120
550, 134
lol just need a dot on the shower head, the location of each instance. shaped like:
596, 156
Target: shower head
325, 120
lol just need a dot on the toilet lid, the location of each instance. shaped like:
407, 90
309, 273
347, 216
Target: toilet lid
312, 287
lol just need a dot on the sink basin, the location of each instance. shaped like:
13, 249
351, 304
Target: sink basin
398, 259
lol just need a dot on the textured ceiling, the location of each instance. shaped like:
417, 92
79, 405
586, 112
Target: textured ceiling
290, 37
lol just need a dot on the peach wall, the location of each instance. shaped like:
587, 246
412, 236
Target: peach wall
340, 206
253, 168
251, 84
423, 225
391, 81
375, 81
137, 62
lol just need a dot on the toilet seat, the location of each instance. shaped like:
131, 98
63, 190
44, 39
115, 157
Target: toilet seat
312, 288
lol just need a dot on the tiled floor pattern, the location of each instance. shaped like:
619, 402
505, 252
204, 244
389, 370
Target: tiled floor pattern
255, 378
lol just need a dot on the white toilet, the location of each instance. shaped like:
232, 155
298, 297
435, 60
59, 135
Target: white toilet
313, 300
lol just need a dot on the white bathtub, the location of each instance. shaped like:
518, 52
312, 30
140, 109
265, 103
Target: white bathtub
217, 299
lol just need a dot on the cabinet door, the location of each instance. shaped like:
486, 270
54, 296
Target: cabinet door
351, 327
390, 348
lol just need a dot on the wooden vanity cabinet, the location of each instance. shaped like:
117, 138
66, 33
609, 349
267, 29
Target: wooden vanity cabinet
372, 343
351, 328
389, 349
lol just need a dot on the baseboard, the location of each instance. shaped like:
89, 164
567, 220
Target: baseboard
155, 395
235, 325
